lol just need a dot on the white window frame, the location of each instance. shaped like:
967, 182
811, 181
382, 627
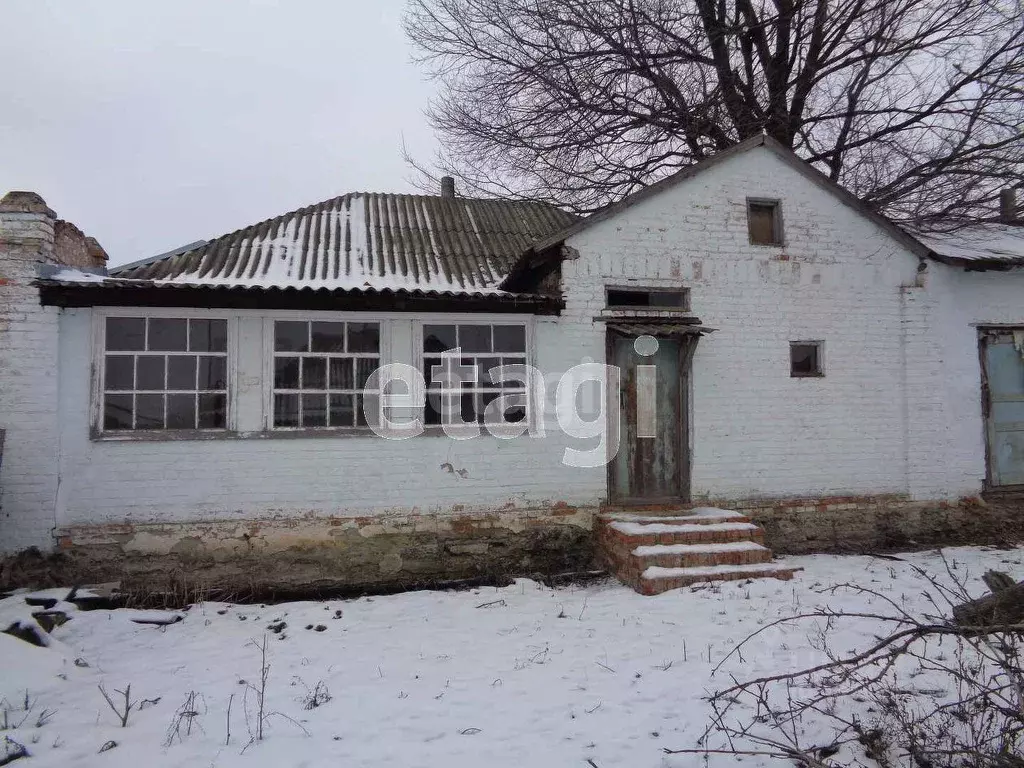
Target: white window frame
527, 321
407, 347
99, 350
384, 355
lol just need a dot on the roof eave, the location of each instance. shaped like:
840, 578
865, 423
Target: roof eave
153, 294
977, 265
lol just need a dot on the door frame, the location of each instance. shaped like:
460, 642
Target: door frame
984, 332
686, 350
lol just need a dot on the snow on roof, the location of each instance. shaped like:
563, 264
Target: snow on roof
977, 242
367, 242
72, 275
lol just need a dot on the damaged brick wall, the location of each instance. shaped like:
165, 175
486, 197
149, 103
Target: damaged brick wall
310, 555
316, 553
72, 248
858, 524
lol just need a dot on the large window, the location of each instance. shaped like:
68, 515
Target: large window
165, 373
483, 347
320, 370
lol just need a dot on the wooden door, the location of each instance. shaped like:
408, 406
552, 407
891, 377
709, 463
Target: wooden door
652, 462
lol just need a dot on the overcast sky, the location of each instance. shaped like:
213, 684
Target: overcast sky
153, 124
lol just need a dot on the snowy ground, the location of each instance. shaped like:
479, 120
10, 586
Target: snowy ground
517, 676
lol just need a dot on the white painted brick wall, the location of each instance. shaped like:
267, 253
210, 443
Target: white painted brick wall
28, 386
897, 412
143, 481
898, 409
946, 401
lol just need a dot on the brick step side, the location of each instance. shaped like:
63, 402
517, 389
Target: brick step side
697, 555
631, 535
677, 517
654, 581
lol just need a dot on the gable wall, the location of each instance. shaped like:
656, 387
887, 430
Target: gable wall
757, 432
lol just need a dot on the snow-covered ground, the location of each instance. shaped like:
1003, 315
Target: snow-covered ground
517, 676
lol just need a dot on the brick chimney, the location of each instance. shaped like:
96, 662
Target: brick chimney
1008, 206
447, 187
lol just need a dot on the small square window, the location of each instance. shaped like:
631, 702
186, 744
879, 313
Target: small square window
805, 359
764, 222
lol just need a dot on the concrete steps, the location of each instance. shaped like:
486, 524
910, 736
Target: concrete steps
653, 553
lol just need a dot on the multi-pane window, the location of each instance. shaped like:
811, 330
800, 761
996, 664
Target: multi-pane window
484, 347
320, 370
165, 373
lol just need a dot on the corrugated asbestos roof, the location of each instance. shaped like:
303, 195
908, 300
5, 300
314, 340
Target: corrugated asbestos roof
977, 243
367, 242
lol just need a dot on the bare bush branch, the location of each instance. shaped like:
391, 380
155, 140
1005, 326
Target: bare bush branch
970, 715
122, 710
185, 717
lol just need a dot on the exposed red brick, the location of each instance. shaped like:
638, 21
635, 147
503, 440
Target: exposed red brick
615, 549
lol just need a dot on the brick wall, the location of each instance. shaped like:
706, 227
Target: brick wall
28, 377
261, 477
896, 416
898, 409
72, 248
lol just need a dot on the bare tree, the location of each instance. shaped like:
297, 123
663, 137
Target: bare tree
913, 105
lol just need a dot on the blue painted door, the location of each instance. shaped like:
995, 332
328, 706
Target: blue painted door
1003, 353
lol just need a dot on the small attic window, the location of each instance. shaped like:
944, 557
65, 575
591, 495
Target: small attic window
627, 298
805, 359
764, 221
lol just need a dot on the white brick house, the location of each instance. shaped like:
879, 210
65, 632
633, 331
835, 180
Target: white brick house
201, 408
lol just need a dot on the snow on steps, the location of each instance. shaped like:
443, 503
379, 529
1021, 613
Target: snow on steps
698, 555
673, 529
655, 580
655, 553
